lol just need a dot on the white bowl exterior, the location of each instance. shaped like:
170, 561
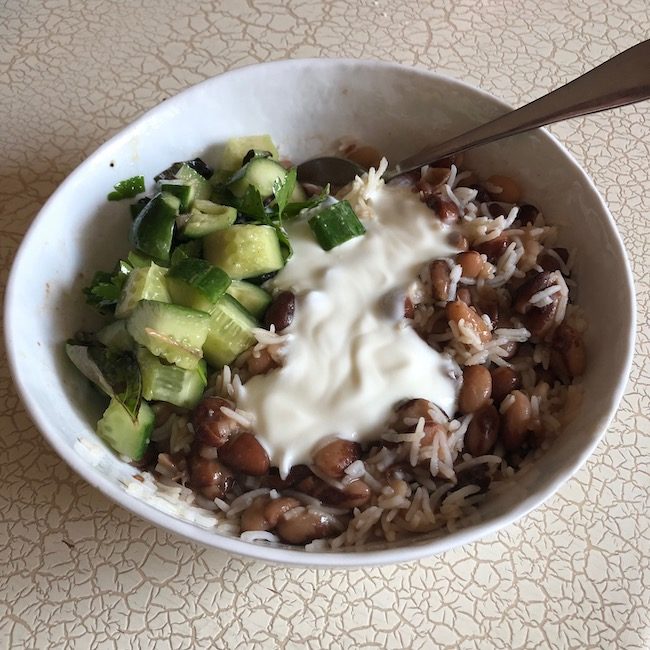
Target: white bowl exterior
306, 105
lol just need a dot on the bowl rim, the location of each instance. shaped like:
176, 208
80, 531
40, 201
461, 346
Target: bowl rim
282, 554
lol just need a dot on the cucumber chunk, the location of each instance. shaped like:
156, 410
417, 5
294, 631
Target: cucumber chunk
206, 217
116, 337
335, 224
202, 187
153, 229
128, 438
172, 332
230, 332
144, 283
237, 148
192, 248
253, 298
197, 284
261, 173
169, 383
244, 250
185, 192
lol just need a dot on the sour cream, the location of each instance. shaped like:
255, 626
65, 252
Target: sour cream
350, 357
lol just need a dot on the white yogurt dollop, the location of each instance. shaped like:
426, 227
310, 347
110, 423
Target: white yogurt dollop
349, 357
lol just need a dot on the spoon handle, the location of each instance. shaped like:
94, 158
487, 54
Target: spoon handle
622, 80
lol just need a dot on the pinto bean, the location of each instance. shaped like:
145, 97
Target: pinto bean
412, 411
493, 249
446, 210
264, 512
353, 495
481, 193
439, 274
504, 381
457, 240
471, 263
568, 343
482, 431
409, 308
280, 312
550, 262
260, 364
245, 454
275, 508
212, 427
540, 321
529, 288
476, 389
527, 214
333, 458
510, 190
296, 473
209, 477
458, 310
495, 210
433, 178
515, 421
301, 526
464, 294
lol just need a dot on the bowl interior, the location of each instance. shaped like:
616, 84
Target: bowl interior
306, 106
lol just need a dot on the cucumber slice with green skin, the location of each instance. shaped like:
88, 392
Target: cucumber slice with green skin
202, 187
237, 148
185, 191
230, 332
197, 284
335, 224
144, 283
261, 173
172, 332
208, 218
153, 229
192, 248
127, 437
137, 259
116, 337
253, 298
169, 383
244, 250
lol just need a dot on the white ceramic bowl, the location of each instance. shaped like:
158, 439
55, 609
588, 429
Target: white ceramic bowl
306, 105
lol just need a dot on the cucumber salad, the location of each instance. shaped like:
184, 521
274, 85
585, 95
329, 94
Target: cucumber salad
329, 368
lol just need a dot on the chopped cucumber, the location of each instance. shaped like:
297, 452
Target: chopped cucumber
335, 224
137, 259
185, 191
169, 383
202, 187
206, 217
144, 283
82, 359
192, 248
237, 148
261, 173
126, 436
153, 229
170, 331
196, 164
230, 332
115, 336
197, 284
244, 250
250, 296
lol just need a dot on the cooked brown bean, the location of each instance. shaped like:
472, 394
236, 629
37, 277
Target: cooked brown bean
433, 178
515, 421
457, 240
261, 363
439, 274
494, 248
476, 389
356, 494
527, 214
275, 508
296, 473
412, 411
465, 295
482, 431
568, 342
333, 458
540, 321
301, 526
529, 288
430, 430
447, 211
409, 309
510, 191
471, 262
504, 381
211, 426
495, 210
550, 262
482, 196
280, 312
365, 156
510, 348
253, 517
458, 310
245, 454
209, 477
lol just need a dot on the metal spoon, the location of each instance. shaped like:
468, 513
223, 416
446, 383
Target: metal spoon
622, 80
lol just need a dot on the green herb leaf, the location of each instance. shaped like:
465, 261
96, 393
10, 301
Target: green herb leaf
283, 189
127, 188
293, 209
252, 205
105, 289
122, 373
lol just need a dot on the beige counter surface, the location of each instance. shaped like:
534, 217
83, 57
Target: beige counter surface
77, 571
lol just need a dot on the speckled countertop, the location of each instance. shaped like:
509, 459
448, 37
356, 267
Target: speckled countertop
77, 571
